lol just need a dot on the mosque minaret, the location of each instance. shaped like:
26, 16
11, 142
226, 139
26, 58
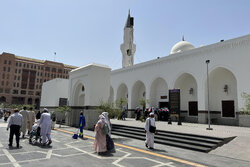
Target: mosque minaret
128, 48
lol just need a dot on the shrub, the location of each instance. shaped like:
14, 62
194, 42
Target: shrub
142, 119
62, 110
109, 108
246, 109
14, 106
143, 103
120, 102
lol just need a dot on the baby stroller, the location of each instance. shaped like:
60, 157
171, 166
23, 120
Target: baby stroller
35, 136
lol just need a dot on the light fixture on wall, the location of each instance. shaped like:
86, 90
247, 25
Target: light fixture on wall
191, 91
226, 88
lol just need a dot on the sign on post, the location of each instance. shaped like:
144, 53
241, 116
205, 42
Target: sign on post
174, 103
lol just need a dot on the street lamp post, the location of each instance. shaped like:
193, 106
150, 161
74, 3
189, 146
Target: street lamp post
208, 110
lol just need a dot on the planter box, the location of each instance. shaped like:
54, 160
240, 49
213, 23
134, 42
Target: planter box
244, 120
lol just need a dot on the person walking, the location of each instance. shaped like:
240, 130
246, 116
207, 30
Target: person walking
6, 116
38, 115
81, 124
150, 130
53, 119
1, 113
109, 141
45, 125
138, 113
100, 138
15, 122
107, 121
25, 115
31, 120
123, 113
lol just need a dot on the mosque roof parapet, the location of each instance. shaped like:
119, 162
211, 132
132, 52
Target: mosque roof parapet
91, 65
57, 80
231, 43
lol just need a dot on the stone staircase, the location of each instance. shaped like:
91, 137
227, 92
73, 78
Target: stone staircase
175, 139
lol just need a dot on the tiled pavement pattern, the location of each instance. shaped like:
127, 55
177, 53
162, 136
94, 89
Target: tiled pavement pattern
66, 151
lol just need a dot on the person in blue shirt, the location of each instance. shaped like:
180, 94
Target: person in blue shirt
81, 124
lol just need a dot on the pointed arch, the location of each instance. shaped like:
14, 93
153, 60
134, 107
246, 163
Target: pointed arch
158, 92
122, 92
79, 94
222, 91
187, 84
138, 92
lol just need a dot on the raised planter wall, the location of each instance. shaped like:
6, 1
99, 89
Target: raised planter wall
244, 120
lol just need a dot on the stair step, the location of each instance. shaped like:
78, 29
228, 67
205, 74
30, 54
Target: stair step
170, 138
175, 144
175, 134
177, 139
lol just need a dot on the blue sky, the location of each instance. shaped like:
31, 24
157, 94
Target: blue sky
86, 31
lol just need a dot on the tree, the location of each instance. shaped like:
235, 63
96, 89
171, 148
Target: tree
111, 109
121, 102
143, 103
62, 110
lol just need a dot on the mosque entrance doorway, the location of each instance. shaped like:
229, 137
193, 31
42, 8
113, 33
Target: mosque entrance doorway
227, 108
193, 108
163, 104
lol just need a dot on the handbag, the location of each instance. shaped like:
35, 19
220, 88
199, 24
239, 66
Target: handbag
151, 128
75, 136
105, 129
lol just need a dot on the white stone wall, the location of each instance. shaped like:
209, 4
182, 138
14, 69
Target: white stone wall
53, 90
96, 82
233, 55
229, 65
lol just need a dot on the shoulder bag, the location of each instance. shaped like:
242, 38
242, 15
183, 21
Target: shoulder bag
151, 128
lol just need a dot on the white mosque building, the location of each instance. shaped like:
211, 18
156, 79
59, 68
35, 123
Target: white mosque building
185, 68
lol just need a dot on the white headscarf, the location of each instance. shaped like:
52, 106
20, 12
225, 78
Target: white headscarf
151, 113
101, 119
106, 116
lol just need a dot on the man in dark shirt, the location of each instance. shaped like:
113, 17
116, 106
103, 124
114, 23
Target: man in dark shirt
15, 122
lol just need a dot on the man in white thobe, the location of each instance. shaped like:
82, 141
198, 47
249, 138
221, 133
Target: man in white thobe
31, 120
25, 115
45, 124
150, 136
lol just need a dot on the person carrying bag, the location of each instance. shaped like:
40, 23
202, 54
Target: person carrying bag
150, 130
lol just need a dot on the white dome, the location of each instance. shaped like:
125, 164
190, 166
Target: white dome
181, 47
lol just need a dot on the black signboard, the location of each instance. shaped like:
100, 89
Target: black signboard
174, 101
63, 101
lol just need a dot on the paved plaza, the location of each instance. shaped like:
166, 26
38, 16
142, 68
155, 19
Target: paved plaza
66, 152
